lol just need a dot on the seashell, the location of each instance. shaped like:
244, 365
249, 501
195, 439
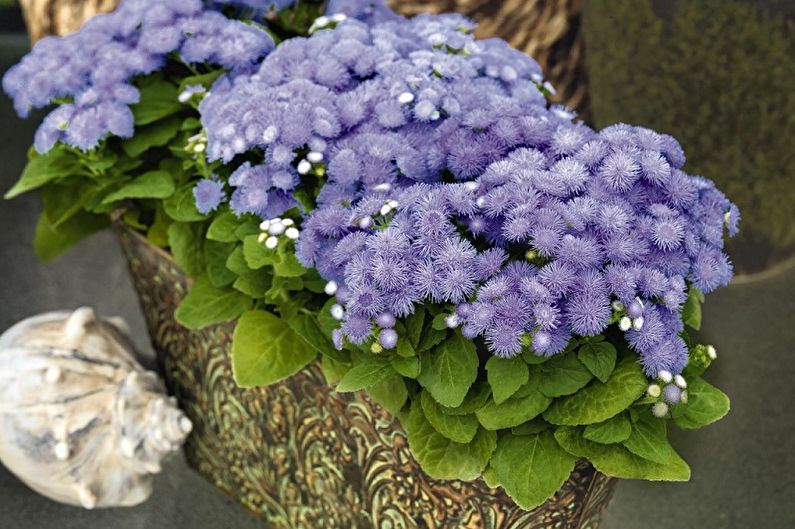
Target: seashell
81, 421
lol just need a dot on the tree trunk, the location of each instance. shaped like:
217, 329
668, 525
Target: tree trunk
548, 30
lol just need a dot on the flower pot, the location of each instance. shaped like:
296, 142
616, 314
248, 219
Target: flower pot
301, 455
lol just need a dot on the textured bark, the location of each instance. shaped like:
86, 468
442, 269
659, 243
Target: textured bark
548, 30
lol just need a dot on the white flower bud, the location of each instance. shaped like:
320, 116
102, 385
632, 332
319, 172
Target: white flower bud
617, 306
405, 98
637, 323
315, 157
435, 115
199, 147
331, 288
288, 222
271, 242
365, 222
292, 233
437, 39
269, 134
383, 187
339, 17
262, 237
337, 312
680, 381
276, 228
452, 321
683, 397
711, 352
660, 410
550, 88
185, 96
321, 22
480, 202
471, 186
393, 204
264, 225
654, 390
665, 376
625, 324
386, 209
304, 167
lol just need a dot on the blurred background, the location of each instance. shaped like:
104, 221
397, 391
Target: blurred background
719, 75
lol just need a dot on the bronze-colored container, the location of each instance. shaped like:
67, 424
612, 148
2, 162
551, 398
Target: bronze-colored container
305, 457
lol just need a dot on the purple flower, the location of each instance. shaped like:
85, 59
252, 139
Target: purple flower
209, 194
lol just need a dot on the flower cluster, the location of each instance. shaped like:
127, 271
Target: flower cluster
93, 69
377, 106
555, 239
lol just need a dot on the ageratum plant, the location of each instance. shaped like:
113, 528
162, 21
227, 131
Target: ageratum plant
399, 200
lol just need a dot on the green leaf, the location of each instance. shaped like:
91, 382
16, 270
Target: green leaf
288, 266
158, 100
691, 310
256, 254
458, 428
155, 134
442, 458
404, 347
215, 257
325, 321
601, 401
368, 371
449, 369
186, 241
223, 226
154, 184
531, 468
599, 358
63, 200
563, 375
649, 439
181, 206
512, 412
409, 367
391, 394
490, 478
533, 359
614, 430
158, 231
255, 284
307, 328
206, 80
430, 338
414, 326
50, 242
333, 370
207, 305
706, 404
44, 168
438, 322
615, 460
265, 350
506, 375
249, 226
532, 427
477, 397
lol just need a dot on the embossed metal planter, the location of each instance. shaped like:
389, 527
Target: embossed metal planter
303, 456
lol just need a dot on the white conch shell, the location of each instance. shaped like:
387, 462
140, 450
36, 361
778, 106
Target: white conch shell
81, 421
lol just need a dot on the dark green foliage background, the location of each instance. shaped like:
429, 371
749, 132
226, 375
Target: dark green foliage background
719, 75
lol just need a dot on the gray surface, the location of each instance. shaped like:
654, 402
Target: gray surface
742, 466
